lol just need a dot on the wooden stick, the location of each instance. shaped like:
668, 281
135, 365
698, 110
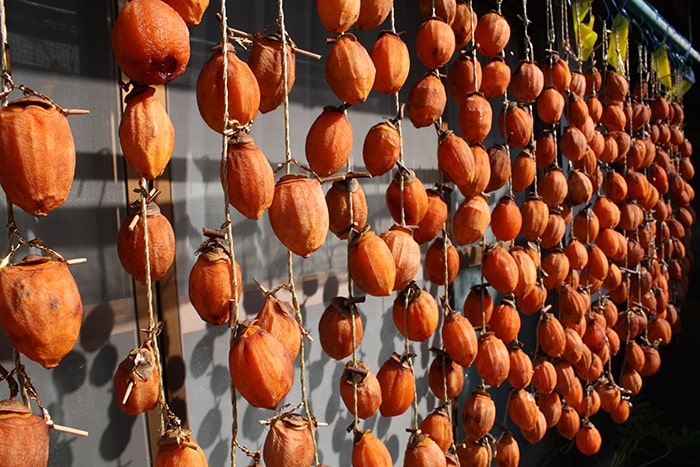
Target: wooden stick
69, 430
129, 388
296, 49
76, 261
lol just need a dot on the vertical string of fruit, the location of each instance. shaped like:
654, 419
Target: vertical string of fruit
146, 243
310, 421
38, 156
232, 318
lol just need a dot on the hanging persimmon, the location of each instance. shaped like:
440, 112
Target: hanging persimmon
550, 105
266, 62
392, 62
441, 263
500, 167
471, 220
522, 409
329, 141
38, 155
421, 450
338, 16
464, 23
455, 158
210, 285
381, 148
278, 318
482, 170
373, 13
25, 435
368, 450
506, 219
492, 360
179, 449
534, 214
492, 34
398, 386
349, 69
437, 425
475, 118
251, 181
358, 383
260, 367
136, 382
478, 414
40, 308
289, 441
507, 450
524, 170
406, 253
243, 90
146, 134
427, 100
496, 78
410, 208
515, 124
371, 264
299, 214
434, 219
445, 377
191, 11
415, 313
340, 324
527, 82
339, 204
459, 339
463, 78
131, 243
443, 9
556, 72
150, 41
435, 43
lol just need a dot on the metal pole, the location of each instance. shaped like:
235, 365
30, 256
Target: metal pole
660, 26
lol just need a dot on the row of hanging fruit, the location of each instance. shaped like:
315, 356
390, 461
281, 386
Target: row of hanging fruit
598, 250
37, 292
616, 282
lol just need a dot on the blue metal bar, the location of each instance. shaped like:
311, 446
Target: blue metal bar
660, 26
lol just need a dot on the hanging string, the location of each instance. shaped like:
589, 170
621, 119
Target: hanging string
529, 50
290, 255
145, 197
472, 22
233, 304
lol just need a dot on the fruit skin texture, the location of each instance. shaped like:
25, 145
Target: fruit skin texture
146, 134
140, 369
289, 442
299, 214
40, 309
210, 286
260, 367
265, 61
173, 454
151, 42
371, 264
349, 70
369, 451
251, 181
37, 172
161, 244
392, 62
329, 142
243, 90
191, 11
24, 436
